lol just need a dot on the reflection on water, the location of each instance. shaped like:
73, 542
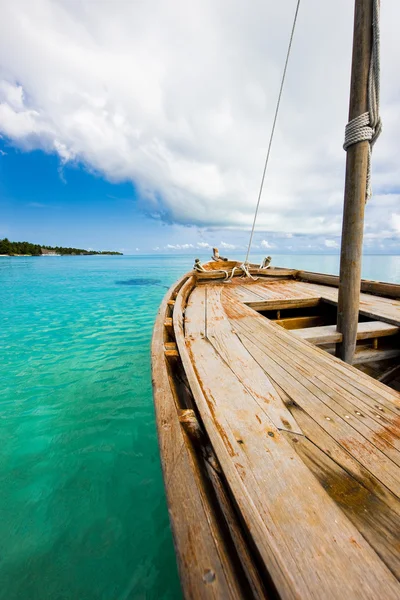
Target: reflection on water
139, 281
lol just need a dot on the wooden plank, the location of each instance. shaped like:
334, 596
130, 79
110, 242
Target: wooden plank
228, 411
202, 555
328, 334
282, 304
390, 290
323, 440
311, 360
292, 520
245, 294
373, 329
372, 355
375, 307
318, 365
168, 326
274, 291
377, 457
300, 323
269, 291
203, 558
248, 372
372, 516
379, 394
195, 313
171, 350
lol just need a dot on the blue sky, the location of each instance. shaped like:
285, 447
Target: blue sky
46, 202
121, 130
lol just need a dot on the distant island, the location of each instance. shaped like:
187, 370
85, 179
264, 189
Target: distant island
8, 248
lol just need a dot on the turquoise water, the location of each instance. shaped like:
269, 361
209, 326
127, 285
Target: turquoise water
82, 506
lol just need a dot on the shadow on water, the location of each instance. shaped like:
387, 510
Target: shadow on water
138, 281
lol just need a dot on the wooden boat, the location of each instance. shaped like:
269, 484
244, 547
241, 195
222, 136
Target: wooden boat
281, 461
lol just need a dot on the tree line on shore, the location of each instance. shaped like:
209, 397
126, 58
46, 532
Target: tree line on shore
26, 248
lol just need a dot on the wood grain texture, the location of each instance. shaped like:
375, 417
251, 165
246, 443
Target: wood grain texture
375, 307
390, 290
203, 559
241, 434
247, 371
309, 446
327, 334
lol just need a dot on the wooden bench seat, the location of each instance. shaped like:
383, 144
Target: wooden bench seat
327, 334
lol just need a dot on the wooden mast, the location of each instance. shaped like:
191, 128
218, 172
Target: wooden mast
355, 186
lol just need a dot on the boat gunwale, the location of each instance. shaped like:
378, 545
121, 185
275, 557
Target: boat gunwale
183, 288
202, 574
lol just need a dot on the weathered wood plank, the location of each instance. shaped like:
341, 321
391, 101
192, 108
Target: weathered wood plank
253, 452
340, 455
375, 307
203, 559
300, 323
291, 518
373, 329
377, 457
316, 365
316, 361
372, 516
247, 371
168, 325
282, 304
171, 350
378, 393
372, 355
195, 313
227, 411
391, 290
328, 334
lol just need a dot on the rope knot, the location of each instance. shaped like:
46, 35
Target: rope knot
358, 130
368, 126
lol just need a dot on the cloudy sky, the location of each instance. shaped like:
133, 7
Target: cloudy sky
143, 126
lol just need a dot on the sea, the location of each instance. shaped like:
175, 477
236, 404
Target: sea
83, 513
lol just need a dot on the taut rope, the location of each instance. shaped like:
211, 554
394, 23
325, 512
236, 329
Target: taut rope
272, 131
368, 126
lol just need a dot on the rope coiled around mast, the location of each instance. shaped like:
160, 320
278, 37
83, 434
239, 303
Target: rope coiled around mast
368, 125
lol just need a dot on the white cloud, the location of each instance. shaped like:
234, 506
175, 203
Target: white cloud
178, 246
137, 249
203, 245
179, 98
396, 222
266, 244
331, 244
227, 246
156, 248
12, 94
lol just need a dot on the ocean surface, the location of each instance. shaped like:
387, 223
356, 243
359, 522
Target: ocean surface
82, 506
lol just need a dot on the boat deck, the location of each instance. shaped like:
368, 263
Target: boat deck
308, 445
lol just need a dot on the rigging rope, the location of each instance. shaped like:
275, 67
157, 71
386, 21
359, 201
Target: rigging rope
368, 126
272, 131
